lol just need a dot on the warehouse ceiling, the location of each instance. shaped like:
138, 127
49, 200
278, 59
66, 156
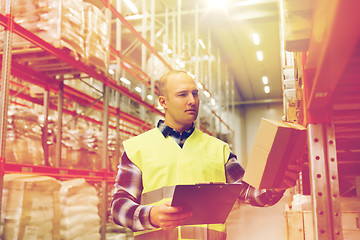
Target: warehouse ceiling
230, 28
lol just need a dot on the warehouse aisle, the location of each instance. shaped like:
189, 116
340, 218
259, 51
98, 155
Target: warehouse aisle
252, 223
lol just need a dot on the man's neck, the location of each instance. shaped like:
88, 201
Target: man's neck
178, 127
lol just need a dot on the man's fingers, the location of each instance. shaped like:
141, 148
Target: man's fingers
173, 220
167, 216
295, 167
289, 182
291, 175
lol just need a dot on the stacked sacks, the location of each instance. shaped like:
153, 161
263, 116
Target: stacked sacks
79, 211
31, 208
25, 137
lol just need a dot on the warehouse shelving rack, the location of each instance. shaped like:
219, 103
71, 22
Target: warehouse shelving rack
12, 61
332, 110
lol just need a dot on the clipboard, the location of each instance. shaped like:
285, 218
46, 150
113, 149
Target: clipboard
210, 203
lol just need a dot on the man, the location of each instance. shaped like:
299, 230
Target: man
173, 153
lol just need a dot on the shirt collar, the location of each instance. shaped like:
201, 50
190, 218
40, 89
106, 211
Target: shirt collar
166, 130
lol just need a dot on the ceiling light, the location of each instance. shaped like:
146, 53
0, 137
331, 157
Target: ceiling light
259, 55
127, 65
126, 81
138, 89
199, 85
111, 71
134, 17
265, 80
202, 43
150, 97
267, 89
256, 38
212, 101
206, 93
131, 6
166, 47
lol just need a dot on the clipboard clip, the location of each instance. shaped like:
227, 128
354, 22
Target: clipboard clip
207, 183
200, 184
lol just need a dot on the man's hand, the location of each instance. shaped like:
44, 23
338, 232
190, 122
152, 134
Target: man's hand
166, 216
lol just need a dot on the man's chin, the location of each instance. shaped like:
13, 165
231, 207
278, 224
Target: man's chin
192, 118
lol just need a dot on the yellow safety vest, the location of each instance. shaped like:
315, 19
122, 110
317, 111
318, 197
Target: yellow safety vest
164, 164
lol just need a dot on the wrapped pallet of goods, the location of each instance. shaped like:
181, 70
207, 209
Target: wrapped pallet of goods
113, 161
25, 137
59, 22
73, 153
96, 37
79, 211
31, 207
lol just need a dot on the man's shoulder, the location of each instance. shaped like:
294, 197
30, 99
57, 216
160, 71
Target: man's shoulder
209, 137
148, 134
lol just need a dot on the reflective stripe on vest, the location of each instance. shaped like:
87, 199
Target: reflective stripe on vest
157, 195
186, 232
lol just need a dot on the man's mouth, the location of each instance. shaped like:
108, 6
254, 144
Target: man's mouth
191, 110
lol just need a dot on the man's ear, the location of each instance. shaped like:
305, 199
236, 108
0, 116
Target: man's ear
162, 101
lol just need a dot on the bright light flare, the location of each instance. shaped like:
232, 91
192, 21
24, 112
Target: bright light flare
215, 4
265, 80
259, 55
138, 89
124, 80
206, 93
256, 38
267, 89
202, 43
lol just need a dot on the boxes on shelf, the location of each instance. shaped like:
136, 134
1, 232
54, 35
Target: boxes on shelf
59, 22
299, 218
31, 207
96, 37
277, 145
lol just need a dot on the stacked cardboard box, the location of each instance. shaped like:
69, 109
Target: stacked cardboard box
31, 207
300, 224
96, 37
59, 22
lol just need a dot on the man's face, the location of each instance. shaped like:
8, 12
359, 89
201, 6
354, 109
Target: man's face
181, 101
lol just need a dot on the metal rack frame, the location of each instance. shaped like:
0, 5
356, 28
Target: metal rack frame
334, 48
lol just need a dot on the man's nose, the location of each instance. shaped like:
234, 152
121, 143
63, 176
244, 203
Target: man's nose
191, 99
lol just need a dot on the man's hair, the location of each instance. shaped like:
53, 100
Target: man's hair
163, 81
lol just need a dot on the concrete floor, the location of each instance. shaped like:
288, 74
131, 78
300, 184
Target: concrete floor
246, 222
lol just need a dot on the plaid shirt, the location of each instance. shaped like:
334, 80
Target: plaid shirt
127, 211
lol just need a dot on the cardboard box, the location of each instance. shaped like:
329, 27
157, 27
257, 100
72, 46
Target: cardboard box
300, 224
277, 145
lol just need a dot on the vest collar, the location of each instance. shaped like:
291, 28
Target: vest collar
166, 130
